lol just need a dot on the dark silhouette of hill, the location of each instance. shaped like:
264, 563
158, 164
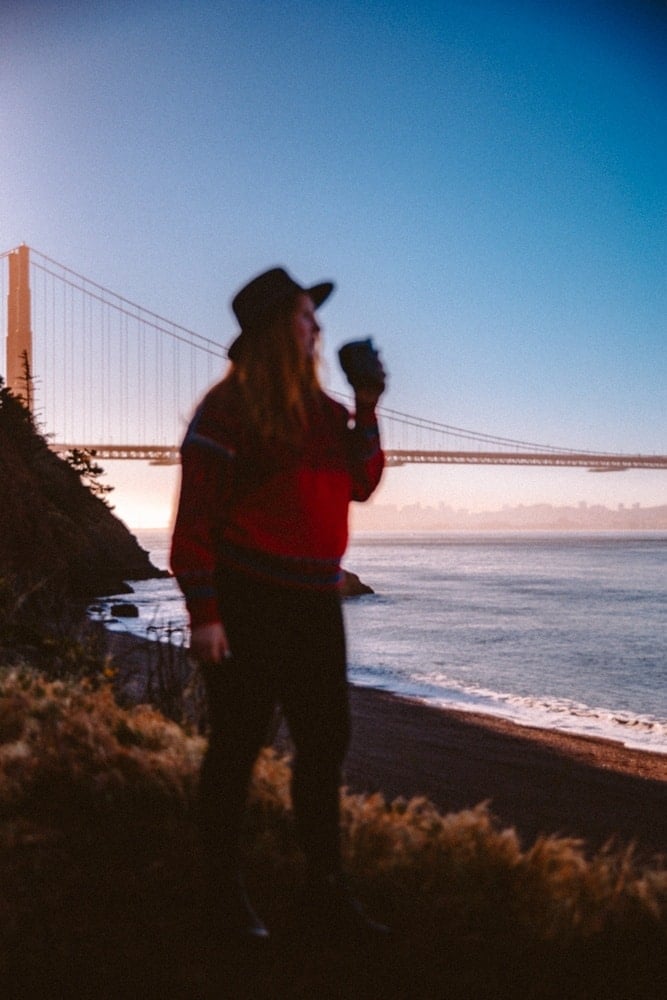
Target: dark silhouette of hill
59, 541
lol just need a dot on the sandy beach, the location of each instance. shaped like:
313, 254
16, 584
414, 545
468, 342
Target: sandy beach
536, 780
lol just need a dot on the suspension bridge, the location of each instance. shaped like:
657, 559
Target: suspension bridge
104, 375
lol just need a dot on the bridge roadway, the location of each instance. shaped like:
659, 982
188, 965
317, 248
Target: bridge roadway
169, 455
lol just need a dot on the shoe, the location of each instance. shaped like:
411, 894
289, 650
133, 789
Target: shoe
233, 916
332, 908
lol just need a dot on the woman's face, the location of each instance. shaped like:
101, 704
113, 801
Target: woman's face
305, 327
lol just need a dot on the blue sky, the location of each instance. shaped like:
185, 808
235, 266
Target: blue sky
486, 182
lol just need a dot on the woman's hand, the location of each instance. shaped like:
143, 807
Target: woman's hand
367, 398
209, 643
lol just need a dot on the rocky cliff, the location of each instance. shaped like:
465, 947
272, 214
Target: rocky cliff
56, 536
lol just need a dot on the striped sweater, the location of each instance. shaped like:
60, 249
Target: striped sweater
277, 516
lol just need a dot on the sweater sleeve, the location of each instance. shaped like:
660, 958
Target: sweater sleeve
367, 457
206, 482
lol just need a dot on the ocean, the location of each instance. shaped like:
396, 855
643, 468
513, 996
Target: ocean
563, 631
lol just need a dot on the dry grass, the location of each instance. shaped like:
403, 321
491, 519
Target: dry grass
101, 885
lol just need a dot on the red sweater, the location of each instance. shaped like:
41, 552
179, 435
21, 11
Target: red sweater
277, 516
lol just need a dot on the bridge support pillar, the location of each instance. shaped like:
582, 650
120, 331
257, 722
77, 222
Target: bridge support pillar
19, 333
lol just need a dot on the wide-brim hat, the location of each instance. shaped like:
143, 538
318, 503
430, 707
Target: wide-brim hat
255, 302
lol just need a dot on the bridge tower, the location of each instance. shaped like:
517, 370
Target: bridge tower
19, 333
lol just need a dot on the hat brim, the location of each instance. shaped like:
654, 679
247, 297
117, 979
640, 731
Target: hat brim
318, 293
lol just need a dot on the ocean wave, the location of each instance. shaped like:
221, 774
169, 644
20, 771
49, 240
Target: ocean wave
638, 731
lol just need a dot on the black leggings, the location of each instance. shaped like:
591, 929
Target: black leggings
288, 648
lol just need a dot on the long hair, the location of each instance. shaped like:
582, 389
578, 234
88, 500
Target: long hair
277, 382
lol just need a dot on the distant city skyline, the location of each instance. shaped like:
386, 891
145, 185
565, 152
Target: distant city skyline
144, 497
546, 517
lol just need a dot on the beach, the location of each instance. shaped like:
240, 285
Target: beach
538, 781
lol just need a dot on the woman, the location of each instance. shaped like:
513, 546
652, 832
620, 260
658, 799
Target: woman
269, 466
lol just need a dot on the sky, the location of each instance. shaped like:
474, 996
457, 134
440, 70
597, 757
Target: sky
486, 183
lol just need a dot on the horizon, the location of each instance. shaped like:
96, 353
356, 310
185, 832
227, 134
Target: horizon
391, 518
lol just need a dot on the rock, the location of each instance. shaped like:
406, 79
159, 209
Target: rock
351, 585
124, 610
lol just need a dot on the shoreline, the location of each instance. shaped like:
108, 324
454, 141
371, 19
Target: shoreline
521, 719
539, 781
636, 719
601, 732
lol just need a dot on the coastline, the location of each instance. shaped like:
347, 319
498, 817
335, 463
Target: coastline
538, 781
535, 684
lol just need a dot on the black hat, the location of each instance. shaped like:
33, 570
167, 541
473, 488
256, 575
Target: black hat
256, 300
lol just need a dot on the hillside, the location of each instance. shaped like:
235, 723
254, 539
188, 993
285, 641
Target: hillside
58, 540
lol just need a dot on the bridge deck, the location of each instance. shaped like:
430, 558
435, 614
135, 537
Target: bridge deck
169, 455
